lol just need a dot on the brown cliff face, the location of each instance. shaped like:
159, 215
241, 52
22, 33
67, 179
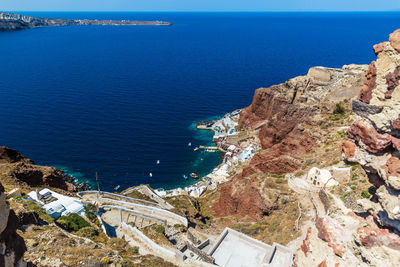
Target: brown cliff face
12, 245
35, 175
23, 169
281, 116
233, 202
282, 135
8, 155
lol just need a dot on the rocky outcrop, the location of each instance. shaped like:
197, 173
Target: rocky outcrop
330, 232
242, 196
375, 237
35, 175
8, 155
363, 109
376, 135
23, 169
374, 142
348, 149
282, 116
394, 39
365, 93
12, 246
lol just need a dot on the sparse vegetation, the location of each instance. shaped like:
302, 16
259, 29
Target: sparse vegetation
365, 194
72, 222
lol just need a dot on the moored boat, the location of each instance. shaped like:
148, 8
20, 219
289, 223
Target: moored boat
194, 176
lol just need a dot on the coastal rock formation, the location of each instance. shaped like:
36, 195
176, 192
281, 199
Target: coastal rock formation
35, 175
365, 93
24, 170
282, 116
8, 155
12, 246
9, 22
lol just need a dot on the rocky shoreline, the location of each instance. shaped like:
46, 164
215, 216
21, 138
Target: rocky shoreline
10, 22
16, 166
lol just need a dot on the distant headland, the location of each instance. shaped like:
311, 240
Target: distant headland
10, 22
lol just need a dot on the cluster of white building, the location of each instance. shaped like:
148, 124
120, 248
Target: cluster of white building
57, 205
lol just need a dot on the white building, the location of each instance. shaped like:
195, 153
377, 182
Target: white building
321, 178
58, 205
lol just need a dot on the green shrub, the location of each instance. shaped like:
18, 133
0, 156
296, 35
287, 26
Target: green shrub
279, 180
133, 250
159, 229
34, 206
88, 232
72, 222
365, 194
339, 109
90, 212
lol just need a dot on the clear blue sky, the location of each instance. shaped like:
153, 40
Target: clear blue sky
199, 5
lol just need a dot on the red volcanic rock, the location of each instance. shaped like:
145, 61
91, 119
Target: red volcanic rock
392, 81
281, 135
331, 233
395, 142
371, 237
305, 247
273, 162
379, 48
394, 39
348, 149
396, 124
241, 197
375, 142
365, 93
323, 264
392, 167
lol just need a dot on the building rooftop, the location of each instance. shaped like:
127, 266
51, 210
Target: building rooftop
234, 249
60, 206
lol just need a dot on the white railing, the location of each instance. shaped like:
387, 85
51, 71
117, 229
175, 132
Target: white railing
103, 193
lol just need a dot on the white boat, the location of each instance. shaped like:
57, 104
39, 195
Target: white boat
190, 144
150, 174
195, 149
117, 187
185, 177
158, 162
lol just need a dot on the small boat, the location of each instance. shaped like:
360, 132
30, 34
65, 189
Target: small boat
185, 177
158, 162
117, 187
150, 174
194, 176
190, 144
195, 149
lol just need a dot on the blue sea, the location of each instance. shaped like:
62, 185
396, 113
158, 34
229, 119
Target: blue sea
114, 100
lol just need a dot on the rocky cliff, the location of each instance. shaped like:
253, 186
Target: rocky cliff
9, 22
375, 133
285, 118
12, 246
15, 165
